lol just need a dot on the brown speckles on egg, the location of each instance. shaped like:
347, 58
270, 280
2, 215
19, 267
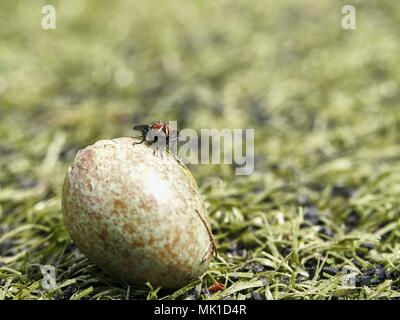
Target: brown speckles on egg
89, 186
87, 156
120, 207
137, 215
129, 228
145, 204
137, 244
103, 235
96, 216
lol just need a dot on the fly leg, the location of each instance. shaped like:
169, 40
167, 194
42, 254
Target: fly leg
144, 130
140, 142
144, 133
158, 150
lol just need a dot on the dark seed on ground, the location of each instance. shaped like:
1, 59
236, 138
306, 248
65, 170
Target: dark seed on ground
356, 263
311, 214
257, 296
5, 247
343, 192
327, 232
254, 267
369, 272
69, 292
368, 246
264, 281
70, 247
330, 270
362, 281
27, 183
300, 278
393, 275
311, 271
237, 249
285, 251
304, 225
381, 274
311, 262
191, 294
375, 282
352, 220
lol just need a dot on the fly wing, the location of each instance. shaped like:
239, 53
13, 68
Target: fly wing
141, 127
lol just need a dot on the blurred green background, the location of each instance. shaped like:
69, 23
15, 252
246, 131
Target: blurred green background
324, 103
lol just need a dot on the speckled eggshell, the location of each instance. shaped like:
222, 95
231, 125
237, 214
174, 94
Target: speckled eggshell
136, 214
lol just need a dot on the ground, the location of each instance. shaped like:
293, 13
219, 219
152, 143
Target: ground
324, 103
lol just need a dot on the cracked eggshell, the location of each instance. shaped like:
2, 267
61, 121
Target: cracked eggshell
136, 214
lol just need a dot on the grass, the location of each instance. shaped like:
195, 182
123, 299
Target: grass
324, 103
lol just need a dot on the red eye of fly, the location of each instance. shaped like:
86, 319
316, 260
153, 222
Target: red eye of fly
158, 125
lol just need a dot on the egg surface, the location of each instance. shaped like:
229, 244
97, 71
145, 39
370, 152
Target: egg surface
137, 213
